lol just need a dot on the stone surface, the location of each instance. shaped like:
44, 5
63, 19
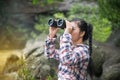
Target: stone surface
106, 58
8, 64
39, 65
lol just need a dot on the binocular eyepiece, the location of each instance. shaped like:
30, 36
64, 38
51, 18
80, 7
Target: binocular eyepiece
60, 23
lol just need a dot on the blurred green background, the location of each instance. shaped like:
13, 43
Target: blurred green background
28, 19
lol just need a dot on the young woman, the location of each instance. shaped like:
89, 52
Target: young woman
73, 54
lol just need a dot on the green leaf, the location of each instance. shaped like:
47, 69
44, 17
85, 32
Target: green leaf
59, 15
34, 1
50, 1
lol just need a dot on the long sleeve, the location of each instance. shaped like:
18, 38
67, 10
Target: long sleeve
68, 56
50, 50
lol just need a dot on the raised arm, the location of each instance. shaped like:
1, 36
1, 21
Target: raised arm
50, 50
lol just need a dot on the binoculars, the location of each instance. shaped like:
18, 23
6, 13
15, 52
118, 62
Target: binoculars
60, 23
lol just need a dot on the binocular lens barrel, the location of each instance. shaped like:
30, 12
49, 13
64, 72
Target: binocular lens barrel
52, 22
60, 23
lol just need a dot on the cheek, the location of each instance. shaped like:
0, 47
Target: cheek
75, 35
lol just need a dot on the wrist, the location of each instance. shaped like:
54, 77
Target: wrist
52, 36
69, 30
66, 31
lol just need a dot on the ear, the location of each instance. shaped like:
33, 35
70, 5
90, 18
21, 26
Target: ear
82, 33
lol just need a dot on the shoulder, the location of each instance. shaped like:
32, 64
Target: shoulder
82, 50
82, 47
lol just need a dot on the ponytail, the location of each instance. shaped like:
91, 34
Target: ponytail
90, 68
90, 37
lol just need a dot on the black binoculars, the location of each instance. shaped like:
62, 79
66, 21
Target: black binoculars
60, 23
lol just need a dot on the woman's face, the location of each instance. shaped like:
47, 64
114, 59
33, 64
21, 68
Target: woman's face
75, 32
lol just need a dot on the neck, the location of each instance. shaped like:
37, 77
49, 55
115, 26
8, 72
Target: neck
78, 42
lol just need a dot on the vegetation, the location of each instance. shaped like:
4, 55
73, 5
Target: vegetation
44, 2
91, 14
110, 9
102, 27
102, 17
24, 73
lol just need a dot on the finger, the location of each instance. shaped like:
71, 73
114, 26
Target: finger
68, 24
57, 29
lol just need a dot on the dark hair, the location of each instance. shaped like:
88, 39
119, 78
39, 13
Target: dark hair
84, 26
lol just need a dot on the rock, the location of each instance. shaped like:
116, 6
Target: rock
106, 58
9, 64
38, 64
111, 72
9, 76
98, 60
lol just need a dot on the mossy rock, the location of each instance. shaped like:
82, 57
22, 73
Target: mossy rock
117, 43
112, 72
98, 60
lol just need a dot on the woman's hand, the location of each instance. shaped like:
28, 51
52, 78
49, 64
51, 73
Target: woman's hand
68, 28
52, 32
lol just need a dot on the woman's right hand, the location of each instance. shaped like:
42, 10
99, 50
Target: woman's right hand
52, 32
69, 27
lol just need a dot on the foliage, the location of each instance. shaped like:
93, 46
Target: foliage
81, 8
90, 13
23, 72
44, 2
102, 27
49, 77
59, 15
42, 25
110, 9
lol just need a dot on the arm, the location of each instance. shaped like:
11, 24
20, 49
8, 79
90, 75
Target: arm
50, 50
68, 56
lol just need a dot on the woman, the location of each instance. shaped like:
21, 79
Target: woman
73, 54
